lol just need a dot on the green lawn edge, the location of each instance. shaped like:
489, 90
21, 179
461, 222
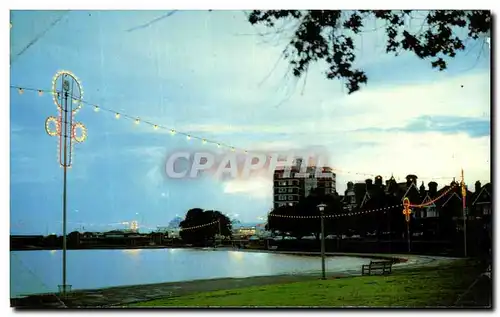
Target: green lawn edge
437, 286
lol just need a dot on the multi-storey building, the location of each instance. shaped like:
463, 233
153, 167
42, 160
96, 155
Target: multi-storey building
290, 187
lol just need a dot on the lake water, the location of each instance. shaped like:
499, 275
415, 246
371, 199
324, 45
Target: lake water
40, 271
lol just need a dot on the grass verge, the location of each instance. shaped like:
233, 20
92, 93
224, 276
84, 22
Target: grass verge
419, 287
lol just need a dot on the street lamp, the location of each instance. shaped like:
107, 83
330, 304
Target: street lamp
321, 208
407, 213
67, 94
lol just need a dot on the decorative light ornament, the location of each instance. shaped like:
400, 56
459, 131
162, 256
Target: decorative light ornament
137, 121
188, 137
50, 130
65, 128
20, 91
155, 127
204, 141
40, 92
117, 115
71, 85
83, 133
172, 131
96, 108
406, 209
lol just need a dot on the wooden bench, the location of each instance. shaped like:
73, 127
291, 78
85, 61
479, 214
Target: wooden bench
385, 267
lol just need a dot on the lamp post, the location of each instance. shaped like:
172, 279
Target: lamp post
67, 94
407, 212
220, 232
464, 212
321, 208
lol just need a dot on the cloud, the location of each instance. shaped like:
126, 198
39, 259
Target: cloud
148, 153
429, 155
446, 125
256, 187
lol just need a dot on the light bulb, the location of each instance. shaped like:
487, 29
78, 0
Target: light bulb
188, 137
117, 116
137, 121
96, 108
155, 127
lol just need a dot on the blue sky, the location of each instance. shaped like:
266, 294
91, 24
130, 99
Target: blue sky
212, 75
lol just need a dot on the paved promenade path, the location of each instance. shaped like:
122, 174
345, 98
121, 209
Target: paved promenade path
124, 295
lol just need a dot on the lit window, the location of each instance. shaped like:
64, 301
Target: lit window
486, 210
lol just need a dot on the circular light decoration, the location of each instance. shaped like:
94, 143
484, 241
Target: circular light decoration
83, 132
53, 126
66, 82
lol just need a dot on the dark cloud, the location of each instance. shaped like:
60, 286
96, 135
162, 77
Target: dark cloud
474, 127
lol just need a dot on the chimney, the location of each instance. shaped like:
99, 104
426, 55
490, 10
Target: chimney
422, 189
369, 184
432, 188
298, 163
478, 187
408, 181
411, 179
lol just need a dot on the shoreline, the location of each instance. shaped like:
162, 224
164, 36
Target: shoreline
116, 296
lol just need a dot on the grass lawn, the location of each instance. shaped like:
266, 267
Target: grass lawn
422, 287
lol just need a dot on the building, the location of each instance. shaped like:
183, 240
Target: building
290, 189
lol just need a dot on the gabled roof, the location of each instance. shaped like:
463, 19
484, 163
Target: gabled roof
427, 199
366, 198
441, 201
359, 191
484, 194
408, 190
453, 194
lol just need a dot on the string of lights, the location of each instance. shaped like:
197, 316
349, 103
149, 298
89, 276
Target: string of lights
435, 199
366, 211
336, 215
199, 226
356, 213
156, 126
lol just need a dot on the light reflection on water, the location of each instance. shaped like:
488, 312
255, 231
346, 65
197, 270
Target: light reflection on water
40, 271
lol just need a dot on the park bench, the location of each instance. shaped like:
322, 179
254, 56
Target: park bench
383, 266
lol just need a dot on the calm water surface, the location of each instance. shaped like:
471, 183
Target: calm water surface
40, 271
